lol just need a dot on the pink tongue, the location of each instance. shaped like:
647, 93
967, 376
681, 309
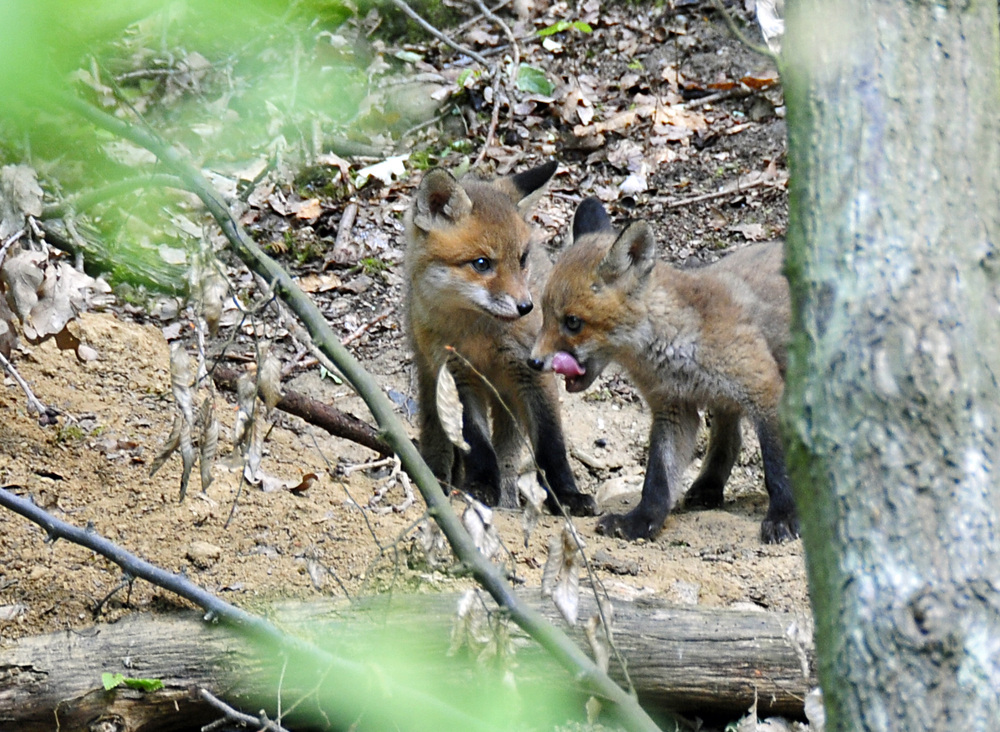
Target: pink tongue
565, 364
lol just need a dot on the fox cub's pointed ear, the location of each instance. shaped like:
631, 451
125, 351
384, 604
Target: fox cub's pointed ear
590, 218
526, 187
633, 251
440, 201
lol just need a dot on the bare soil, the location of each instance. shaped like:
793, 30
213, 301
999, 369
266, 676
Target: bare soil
93, 470
252, 546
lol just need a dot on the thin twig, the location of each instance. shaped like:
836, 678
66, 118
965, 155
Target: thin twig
461, 27
736, 187
46, 415
88, 200
741, 36
9, 242
364, 328
345, 226
412, 14
260, 722
736, 92
515, 51
383, 463
494, 120
497, 75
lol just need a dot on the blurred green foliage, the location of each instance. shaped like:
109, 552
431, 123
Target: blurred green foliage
237, 87
415, 679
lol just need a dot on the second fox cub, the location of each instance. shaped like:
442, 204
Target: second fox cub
470, 266
712, 337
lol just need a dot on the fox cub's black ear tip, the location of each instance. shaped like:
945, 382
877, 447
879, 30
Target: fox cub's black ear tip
590, 218
529, 181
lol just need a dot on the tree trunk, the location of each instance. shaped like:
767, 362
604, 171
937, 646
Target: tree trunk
892, 401
699, 660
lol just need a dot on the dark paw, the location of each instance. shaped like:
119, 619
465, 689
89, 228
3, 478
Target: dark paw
704, 494
576, 504
777, 530
629, 526
484, 493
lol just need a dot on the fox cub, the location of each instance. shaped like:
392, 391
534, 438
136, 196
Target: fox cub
471, 266
712, 337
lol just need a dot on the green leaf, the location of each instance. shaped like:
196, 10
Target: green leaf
534, 81
563, 25
144, 684
558, 27
113, 681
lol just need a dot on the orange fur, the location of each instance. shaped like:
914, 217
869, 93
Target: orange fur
707, 338
471, 271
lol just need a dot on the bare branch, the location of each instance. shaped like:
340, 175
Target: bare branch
412, 14
46, 415
252, 627
741, 36
260, 722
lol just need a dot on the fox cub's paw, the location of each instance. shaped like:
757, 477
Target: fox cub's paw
486, 493
576, 504
633, 525
776, 530
704, 493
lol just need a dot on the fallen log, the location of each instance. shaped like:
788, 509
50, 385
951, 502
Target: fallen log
693, 660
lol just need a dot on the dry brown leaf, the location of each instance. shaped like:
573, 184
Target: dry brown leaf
534, 500
313, 283
22, 277
598, 639
561, 575
478, 521
64, 293
208, 440
449, 408
308, 210
269, 379
307, 482
334, 160
8, 335
434, 543
213, 290
471, 626
678, 118
751, 232
173, 441
20, 197
760, 81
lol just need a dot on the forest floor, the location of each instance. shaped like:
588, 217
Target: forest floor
708, 176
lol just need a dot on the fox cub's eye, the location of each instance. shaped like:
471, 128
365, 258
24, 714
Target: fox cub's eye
481, 264
572, 324
524, 260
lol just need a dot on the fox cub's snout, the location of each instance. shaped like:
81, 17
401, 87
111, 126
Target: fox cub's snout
471, 267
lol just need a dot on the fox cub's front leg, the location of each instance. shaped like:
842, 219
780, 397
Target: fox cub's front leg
671, 446
724, 442
781, 522
550, 448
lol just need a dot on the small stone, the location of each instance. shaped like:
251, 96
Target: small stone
202, 554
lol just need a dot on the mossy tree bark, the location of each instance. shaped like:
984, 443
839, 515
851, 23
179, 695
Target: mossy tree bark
892, 403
